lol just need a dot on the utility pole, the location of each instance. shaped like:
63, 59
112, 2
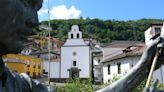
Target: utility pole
49, 40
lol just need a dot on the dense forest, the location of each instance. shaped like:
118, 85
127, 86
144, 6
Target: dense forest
104, 31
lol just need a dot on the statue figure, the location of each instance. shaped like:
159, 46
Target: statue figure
17, 18
139, 72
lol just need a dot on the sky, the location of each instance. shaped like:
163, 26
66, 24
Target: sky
102, 9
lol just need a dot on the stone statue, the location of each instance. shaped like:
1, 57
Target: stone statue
17, 18
138, 72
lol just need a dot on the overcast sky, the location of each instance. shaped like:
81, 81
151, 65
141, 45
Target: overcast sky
102, 9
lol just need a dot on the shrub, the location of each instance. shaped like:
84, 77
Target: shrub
79, 86
140, 87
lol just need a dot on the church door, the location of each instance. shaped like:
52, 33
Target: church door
74, 73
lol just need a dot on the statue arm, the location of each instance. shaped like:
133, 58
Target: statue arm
38, 87
138, 73
34, 85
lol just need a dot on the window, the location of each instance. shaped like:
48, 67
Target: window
34, 65
157, 30
151, 32
74, 63
15, 71
39, 66
74, 53
71, 35
77, 35
39, 74
28, 73
96, 78
34, 74
99, 60
28, 63
119, 68
38, 56
108, 69
44, 71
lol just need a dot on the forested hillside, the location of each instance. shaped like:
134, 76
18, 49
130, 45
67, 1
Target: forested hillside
104, 31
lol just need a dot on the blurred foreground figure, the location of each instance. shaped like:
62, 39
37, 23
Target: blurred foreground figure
139, 72
17, 18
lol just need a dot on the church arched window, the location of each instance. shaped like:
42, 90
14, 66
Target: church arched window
77, 35
71, 35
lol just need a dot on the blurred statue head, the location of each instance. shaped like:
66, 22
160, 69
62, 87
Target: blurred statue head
17, 18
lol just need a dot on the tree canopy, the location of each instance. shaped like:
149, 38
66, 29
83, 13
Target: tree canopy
104, 31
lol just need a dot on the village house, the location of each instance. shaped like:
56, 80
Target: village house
97, 58
155, 29
151, 31
120, 57
24, 64
38, 48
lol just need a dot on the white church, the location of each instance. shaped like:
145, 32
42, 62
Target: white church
75, 58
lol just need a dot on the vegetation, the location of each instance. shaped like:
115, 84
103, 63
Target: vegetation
77, 85
86, 86
140, 87
104, 31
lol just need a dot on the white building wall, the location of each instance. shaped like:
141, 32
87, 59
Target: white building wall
126, 64
52, 65
81, 57
134, 61
74, 42
95, 60
74, 31
45, 59
54, 71
125, 67
98, 71
149, 33
45, 66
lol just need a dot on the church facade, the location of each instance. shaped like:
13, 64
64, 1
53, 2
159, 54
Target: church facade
75, 57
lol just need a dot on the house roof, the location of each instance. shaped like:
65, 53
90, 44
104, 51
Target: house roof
33, 37
45, 52
154, 24
117, 47
122, 44
58, 41
133, 50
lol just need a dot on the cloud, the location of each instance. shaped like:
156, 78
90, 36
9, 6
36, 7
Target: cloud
42, 12
61, 12
45, 0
